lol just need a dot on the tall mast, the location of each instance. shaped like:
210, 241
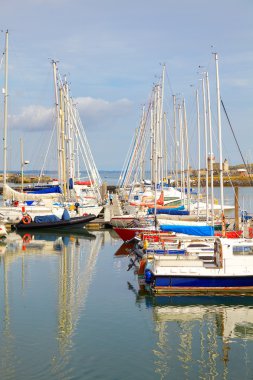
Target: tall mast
206, 152
198, 131
22, 164
154, 141
182, 182
175, 138
211, 146
63, 158
158, 135
142, 169
67, 134
58, 124
219, 131
187, 156
151, 143
165, 153
5, 109
161, 125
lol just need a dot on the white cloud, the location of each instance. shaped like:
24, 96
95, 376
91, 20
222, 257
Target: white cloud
32, 118
96, 112
93, 112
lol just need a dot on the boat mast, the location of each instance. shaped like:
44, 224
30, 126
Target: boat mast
68, 162
206, 152
162, 141
142, 168
22, 164
58, 125
211, 146
166, 158
154, 153
219, 131
198, 131
63, 158
152, 143
187, 156
158, 136
72, 147
5, 109
182, 182
175, 138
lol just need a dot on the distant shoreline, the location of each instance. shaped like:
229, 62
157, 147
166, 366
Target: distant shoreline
232, 180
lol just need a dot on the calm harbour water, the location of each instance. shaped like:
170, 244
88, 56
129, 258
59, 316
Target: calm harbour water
71, 310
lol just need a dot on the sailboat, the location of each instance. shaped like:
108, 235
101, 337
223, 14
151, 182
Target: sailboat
179, 210
15, 205
24, 207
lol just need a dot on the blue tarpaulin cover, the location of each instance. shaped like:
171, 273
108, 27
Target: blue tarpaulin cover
30, 203
189, 230
170, 211
46, 219
71, 184
45, 190
65, 215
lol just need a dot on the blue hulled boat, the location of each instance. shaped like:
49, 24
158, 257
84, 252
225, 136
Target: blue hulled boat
231, 270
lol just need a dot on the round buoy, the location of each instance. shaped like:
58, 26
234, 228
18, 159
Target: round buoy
26, 219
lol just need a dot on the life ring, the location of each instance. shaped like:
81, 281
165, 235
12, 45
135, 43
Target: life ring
26, 219
27, 238
85, 214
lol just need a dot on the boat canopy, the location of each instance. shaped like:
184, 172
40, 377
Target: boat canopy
189, 230
45, 190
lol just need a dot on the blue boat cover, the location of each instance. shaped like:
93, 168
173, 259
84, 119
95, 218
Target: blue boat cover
189, 230
30, 203
170, 211
45, 190
65, 215
46, 219
71, 184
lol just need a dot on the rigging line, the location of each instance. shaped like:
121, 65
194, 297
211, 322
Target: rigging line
246, 167
45, 158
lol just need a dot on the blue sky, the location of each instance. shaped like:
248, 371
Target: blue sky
112, 53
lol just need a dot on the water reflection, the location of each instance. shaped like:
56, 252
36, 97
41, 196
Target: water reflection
75, 260
124, 250
201, 332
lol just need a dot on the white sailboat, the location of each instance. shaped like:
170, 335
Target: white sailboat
134, 191
74, 150
34, 203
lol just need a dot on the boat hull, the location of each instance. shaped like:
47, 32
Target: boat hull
129, 233
81, 220
202, 284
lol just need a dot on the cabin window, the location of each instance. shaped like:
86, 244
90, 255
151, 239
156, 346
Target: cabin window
243, 250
